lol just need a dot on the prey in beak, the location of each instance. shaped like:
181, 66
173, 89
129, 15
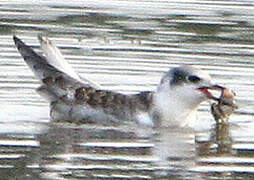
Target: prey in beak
226, 96
224, 106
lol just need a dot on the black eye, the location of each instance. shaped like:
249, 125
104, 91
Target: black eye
193, 79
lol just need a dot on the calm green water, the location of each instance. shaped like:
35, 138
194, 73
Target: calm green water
126, 46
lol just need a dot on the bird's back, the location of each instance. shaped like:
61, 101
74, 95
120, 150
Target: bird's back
74, 99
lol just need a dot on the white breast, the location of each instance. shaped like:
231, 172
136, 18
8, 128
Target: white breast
174, 109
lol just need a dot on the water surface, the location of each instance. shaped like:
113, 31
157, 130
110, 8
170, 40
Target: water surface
126, 46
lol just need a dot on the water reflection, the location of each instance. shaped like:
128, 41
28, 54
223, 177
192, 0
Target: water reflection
71, 151
90, 153
138, 41
223, 139
175, 150
215, 153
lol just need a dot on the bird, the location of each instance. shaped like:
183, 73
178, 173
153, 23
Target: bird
75, 99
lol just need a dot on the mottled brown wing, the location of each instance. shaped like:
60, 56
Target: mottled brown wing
113, 103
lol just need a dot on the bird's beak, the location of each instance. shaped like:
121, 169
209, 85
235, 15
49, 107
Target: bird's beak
206, 90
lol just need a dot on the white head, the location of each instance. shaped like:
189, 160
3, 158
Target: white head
179, 93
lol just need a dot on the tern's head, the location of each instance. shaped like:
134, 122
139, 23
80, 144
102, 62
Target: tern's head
180, 92
188, 84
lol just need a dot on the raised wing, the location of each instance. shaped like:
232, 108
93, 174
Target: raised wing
55, 58
55, 82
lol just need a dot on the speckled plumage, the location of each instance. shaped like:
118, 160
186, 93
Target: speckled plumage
64, 89
76, 99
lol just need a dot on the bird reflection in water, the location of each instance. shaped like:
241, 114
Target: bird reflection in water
174, 149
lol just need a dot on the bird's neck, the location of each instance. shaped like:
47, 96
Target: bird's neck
173, 109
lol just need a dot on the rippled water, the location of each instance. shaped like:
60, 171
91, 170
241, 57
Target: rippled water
126, 46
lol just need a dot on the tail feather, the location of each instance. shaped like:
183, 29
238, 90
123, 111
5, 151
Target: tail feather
56, 83
37, 63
